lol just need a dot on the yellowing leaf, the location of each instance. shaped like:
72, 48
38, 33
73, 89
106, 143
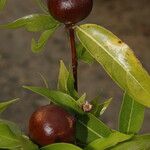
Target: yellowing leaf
117, 59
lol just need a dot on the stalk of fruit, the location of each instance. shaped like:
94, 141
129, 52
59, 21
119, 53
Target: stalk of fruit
52, 124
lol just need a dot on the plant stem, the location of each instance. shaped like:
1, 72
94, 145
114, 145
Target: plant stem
74, 56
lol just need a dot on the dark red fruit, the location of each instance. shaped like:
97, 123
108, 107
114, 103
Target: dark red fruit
50, 124
70, 11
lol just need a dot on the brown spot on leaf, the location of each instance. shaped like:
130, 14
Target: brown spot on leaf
120, 42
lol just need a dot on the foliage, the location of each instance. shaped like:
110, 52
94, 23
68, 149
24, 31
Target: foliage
2, 4
117, 59
6, 104
96, 44
131, 116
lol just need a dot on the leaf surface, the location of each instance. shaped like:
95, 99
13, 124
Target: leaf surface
99, 108
84, 55
2, 4
63, 77
57, 97
131, 116
66, 81
12, 126
32, 23
112, 140
117, 59
61, 146
12, 138
5, 105
89, 128
141, 142
40, 44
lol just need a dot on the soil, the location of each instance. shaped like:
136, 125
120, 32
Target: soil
130, 20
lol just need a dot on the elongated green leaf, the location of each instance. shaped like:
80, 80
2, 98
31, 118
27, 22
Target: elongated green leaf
81, 100
89, 128
112, 140
9, 139
99, 109
38, 46
57, 97
6, 104
141, 142
66, 81
27, 144
12, 126
83, 55
70, 85
61, 146
117, 59
2, 4
102, 107
131, 116
63, 78
32, 23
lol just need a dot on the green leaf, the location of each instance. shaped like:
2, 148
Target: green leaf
12, 126
141, 142
32, 23
57, 97
63, 78
83, 55
61, 146
10, 139
66, 81
112, 140
131, 116
27, 144
40, 44
90, 128
81, 100
118, 60
2, 4
70, 85
5, 105
7, 138
99, 109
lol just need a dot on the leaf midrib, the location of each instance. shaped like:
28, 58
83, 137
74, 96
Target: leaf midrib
129, 122
112, 58
90, 129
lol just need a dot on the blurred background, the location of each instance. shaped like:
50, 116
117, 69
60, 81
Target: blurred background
130, 20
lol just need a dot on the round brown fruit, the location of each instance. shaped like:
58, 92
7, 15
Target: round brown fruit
50, 124
70, 12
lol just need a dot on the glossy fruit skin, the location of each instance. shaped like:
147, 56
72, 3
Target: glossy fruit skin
50, 124
70, 12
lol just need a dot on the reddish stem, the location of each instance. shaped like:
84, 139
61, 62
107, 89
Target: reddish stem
74, 56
